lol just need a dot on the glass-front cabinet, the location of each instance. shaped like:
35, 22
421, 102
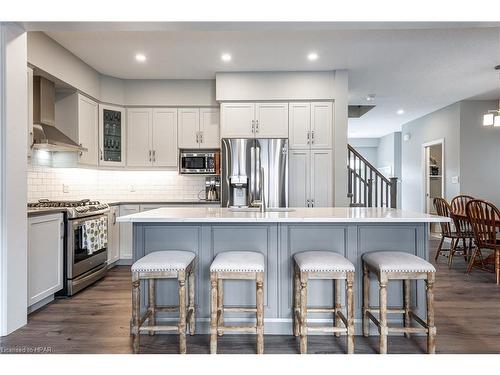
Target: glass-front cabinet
111, 135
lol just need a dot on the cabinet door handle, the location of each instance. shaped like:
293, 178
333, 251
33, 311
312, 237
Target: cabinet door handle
308, 137
114, 218
154, 156
307, 202
201, 137
81, 152
253, 126
150, 156
102, 153
312, 202
197, 137
256, 126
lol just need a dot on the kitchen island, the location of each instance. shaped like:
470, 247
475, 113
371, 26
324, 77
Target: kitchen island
279, 234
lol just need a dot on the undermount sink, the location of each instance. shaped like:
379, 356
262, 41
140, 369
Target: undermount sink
256, 209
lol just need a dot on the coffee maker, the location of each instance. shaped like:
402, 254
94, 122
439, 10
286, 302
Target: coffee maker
212, 188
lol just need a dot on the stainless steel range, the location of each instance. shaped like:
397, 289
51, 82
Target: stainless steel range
85, 258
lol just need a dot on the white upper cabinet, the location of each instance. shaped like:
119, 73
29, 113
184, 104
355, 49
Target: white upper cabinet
321, 125
311, 125
209, 128
271, 120
299, 125
164, 137
139, 151
259, 120
78, 117
237, 120
198, 128
189, 127
112, 135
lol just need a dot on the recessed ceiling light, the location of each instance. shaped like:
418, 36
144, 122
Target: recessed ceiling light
400, 111
312, 56
226, 57
140, 57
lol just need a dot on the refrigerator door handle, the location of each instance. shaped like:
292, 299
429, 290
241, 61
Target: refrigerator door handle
252, 175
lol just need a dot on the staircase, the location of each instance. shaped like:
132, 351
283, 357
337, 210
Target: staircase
366, 186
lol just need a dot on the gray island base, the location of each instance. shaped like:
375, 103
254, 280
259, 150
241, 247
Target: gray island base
350, 232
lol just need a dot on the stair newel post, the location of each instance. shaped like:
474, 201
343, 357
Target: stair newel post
394, 191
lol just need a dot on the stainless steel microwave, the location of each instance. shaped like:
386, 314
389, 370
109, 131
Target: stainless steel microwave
199, 161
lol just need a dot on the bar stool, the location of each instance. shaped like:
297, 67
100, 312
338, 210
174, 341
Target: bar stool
171, 264
236, 265
395, 265
330, 266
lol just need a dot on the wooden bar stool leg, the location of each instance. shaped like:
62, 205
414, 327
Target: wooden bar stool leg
136, 311
213, 313
407, 301
303, 312
350, 312
383, 314
431, 333
366, 300
192, 319
220, 307
296, 302
338, 306
182, 312
260, 312
152, 304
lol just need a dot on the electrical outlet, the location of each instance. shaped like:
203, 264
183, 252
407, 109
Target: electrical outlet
454, 180
132, 188
65, 188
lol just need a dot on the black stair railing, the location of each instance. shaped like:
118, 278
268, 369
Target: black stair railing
366, 186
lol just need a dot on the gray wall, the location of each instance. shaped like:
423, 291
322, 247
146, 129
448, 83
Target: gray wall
479, 152
444, 123
367, 147
389, 154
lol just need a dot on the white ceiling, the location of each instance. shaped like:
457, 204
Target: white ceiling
417, 67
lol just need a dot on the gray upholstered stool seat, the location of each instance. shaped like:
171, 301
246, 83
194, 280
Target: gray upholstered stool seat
397, 265
159, 261
236, 265
322, 261
238, 261
397, 261
323, 265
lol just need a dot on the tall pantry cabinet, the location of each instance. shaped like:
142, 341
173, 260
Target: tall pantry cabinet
310, 154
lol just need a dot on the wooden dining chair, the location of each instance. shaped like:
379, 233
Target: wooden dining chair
459, 202
443, 208
485, 221
462, 223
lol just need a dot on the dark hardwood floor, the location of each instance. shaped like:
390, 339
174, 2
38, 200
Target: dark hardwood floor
97, 321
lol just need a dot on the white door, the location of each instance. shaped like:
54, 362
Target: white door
139, 151
164, 137
299, 175
126, 231
188, 128
45, 256
88, 129
237, 120
112, 135
113, 236
321, 178
209, 128
299, 126
321, 125
272, 120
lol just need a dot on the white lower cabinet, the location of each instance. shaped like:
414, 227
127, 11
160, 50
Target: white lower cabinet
45, 256
126, 231
113, 235
310, 178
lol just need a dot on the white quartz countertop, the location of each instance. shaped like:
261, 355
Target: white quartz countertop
297, 215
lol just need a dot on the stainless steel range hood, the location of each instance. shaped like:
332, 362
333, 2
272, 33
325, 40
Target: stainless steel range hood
46, 136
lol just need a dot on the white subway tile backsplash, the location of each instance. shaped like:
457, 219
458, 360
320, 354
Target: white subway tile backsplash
47, 182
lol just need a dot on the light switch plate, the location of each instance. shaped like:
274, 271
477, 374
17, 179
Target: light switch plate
132, 188
65, 188
454, 180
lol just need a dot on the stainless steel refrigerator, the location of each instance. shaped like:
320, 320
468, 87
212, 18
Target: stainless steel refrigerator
254, 171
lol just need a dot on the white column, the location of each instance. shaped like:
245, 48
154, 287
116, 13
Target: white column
13, 184
340, 138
